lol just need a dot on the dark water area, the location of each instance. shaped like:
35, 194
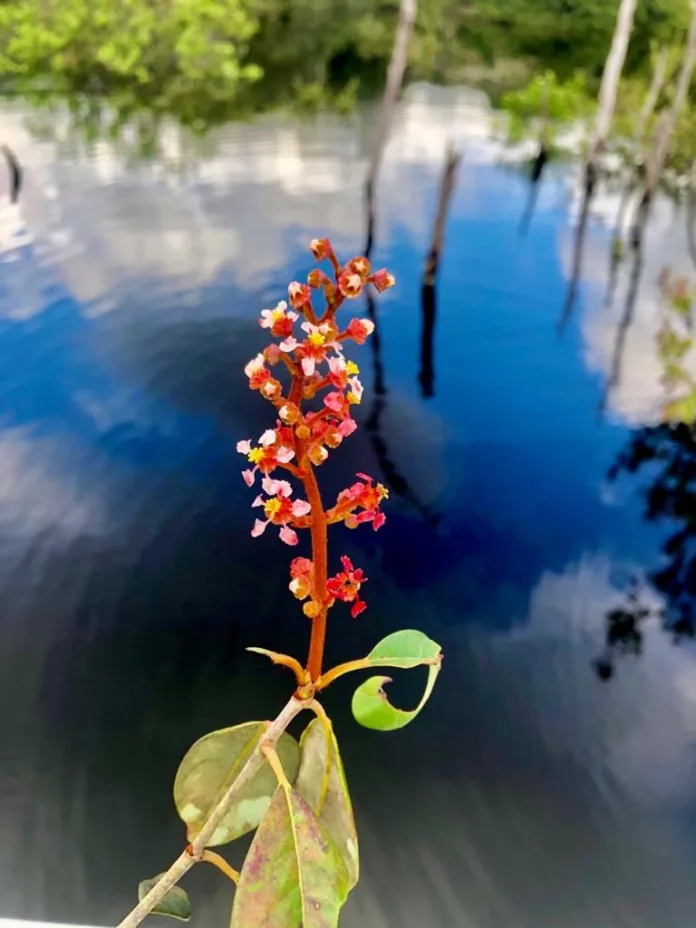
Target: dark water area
529, 793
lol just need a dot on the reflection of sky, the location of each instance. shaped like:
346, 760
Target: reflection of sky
122, 517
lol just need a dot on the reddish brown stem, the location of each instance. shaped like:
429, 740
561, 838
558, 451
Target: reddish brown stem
320, 561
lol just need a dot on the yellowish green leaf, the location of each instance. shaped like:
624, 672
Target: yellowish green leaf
294, 875
210, 767
322, 784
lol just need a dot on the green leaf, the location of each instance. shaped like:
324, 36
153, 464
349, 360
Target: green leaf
682, 410
210, 766
406, 649
322, 784
294, 875
175, 904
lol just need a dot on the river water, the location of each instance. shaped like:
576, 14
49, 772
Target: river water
529, 794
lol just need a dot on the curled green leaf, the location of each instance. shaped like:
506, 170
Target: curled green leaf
209, 768
294, 875
322, 784
175, 904
405, 649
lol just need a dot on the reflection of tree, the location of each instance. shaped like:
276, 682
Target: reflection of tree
15, 172
535, 176
622, 331
668, 453
426, 376
393, 477
579, 243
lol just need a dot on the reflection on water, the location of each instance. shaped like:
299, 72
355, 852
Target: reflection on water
532, 795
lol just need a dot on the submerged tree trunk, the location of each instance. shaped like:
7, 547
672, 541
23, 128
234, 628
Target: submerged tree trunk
657, 156
395, 76
611, 76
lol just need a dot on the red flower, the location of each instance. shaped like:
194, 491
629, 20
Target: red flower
362, 496
346, 586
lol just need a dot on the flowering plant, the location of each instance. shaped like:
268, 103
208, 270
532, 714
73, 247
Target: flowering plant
303, 860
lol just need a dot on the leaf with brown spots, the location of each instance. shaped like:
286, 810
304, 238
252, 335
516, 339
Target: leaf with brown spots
322, 784
211, 765
294, 875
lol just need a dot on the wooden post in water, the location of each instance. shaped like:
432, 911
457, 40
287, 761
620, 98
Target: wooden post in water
395, 76
657, 156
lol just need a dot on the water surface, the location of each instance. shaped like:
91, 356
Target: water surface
529, 793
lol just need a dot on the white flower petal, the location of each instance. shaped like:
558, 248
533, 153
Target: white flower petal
268, 437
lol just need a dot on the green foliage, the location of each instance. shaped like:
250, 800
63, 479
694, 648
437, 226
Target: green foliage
675, 342
166, 48
294, 875
204, 60
175, 904
404, 649
303, 860
551, 102
212, 764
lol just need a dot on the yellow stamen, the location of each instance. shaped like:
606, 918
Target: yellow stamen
277, 315
316, 339
352, 397
352, 368
255, 455
271, 507
382, 491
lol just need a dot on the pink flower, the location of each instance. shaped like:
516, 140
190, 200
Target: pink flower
279, 509
347, 427
335, 402
278, 320
269, 453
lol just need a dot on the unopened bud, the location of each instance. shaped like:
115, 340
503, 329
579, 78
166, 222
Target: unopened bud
318, 454
289, 413
311, 609
320, 248
302, 432
382, 280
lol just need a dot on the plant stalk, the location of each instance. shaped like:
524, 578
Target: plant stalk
194, 852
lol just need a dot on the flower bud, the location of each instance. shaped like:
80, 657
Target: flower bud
302, 432
300, 588
318, 454
350, 284
359, 266
382, 280
311, 609
299, 295
320, 248
289, 413
333, 438
315, 278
